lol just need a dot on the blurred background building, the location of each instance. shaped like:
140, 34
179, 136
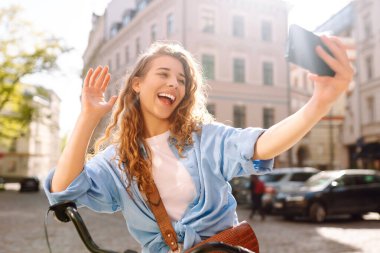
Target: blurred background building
37, 149
324, 146
239, 43
365, 152
241, 46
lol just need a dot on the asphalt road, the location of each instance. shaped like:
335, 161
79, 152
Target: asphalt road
22, 217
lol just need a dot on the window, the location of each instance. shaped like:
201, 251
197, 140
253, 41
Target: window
271, 178
300, 177
138, 48
268, 73
268, 117
211, 109
371, 109
127, 55
110, 64
239, 116
169, 24
238, 26
266, 31
367, 179
208, 63
153, 33
208, 21
367, 27
295, 83
141, 4
128, 16
115, 29
346, 180
117, 61
239, 70
369, 64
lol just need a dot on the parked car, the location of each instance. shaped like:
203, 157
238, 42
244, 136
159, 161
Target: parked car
241, 189
353, 192
284, 180
29, 184
2, 184
20, 183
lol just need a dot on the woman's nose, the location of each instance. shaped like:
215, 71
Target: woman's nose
173, 83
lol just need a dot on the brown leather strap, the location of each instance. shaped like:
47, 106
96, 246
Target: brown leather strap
162, 217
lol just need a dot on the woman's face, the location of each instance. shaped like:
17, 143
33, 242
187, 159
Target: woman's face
161, 89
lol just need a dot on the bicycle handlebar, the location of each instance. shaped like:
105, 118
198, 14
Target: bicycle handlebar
67, 211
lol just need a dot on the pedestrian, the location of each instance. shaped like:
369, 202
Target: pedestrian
161, 133
257, 192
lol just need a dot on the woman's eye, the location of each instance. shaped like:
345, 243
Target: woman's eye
182, 81
163, 74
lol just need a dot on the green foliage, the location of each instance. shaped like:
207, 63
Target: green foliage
23, 52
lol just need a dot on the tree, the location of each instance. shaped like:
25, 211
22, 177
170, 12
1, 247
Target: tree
23, 52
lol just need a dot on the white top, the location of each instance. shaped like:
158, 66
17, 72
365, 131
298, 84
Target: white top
172, 179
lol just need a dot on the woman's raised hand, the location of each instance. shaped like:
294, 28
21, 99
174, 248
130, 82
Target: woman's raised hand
328, 89
93, 99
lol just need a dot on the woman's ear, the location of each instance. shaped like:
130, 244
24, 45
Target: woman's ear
136, 84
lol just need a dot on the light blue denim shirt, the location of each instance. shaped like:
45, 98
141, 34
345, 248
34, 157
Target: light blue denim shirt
218, 154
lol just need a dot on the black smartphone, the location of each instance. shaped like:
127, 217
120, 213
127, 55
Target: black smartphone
300, 50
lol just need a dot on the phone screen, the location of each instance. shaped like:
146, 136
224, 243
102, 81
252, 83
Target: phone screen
301, 51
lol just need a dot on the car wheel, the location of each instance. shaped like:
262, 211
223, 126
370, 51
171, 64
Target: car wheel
317, 212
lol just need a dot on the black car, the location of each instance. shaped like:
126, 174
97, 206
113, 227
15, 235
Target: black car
29, 184
284, 180
353, 192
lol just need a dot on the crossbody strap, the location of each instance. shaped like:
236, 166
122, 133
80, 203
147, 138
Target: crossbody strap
157, 207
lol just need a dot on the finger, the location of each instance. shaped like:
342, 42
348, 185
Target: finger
95, 76
88, 76
101, 78
344, 43
319, 79
347, 45
106, 82
333, 63
112, 101
337, 48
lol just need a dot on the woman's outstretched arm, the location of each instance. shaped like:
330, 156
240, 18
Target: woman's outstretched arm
94, 107
283, 135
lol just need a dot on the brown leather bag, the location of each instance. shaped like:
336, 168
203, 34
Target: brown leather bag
240, 235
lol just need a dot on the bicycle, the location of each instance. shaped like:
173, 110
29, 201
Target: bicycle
67, 211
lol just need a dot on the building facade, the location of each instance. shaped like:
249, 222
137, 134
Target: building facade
38, 148
324, 147
365, 151
351, 135
240, 44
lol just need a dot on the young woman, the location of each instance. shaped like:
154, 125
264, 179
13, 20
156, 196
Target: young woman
161, 132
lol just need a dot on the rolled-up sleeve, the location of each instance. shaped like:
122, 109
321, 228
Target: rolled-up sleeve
95, 187
233, 149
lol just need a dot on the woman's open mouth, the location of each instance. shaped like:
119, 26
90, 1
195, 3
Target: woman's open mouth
166, 98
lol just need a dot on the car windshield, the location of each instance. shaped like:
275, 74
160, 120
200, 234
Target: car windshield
319, 180
270, 178
301, 176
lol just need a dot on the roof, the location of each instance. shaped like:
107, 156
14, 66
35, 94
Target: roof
295, 169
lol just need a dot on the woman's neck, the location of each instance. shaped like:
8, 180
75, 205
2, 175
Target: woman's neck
156, 127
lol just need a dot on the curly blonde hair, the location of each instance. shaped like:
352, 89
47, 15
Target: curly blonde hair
126, 127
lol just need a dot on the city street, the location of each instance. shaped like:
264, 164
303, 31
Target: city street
22, 216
